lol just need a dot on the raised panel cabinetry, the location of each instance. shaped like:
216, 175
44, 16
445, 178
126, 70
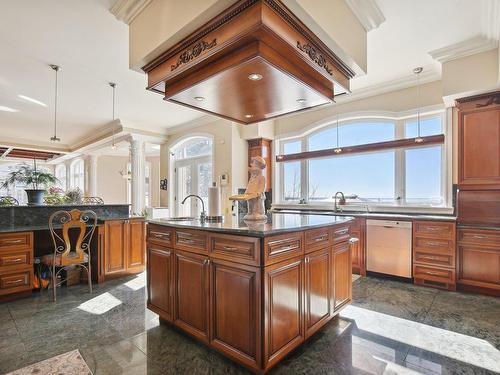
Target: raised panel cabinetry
16, 264
161, 280
342, 275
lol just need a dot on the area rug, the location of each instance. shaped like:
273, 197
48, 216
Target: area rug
70, 363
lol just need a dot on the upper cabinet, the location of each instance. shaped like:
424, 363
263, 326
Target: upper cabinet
479, 142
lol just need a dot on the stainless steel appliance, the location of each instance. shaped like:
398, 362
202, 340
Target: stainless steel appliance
388, 247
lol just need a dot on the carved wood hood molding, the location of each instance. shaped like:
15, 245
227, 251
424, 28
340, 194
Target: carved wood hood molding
254, 61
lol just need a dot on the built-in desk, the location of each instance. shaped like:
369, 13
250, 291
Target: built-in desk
117, 247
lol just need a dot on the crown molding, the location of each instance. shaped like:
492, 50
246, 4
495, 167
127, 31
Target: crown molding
367, 12
127, 10
477, 44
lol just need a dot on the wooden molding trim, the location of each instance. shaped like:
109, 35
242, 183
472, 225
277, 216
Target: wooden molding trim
379, 146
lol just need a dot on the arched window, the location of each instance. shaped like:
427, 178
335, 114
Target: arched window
192, 167
77, 172
60, 173
389, 177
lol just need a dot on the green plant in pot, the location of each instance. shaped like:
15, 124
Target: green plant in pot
35, 181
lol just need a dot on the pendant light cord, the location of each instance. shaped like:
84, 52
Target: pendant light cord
418, 103
113, 86
56, 69
337, 130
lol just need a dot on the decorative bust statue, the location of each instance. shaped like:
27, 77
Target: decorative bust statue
254, 193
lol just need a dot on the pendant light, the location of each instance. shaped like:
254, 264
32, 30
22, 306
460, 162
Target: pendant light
54, 138
113, 87
417, 72
337, 149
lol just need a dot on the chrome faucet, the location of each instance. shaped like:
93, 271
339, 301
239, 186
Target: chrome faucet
341, 201
203, 215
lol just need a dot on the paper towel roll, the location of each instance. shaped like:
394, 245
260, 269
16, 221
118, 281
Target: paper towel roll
214, 201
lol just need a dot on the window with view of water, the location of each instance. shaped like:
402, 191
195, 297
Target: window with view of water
412, 176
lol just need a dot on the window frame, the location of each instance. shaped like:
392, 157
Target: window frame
80, 175
399, 119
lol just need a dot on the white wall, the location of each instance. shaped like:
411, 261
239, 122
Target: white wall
154, 182
111, 186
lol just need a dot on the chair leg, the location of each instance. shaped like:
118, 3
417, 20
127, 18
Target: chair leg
89, 276
54, 286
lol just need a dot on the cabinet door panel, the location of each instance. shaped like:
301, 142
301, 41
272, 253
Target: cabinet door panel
318, 289
136, 241
235, 306
283, 309
114, 260
480, 148
342, 274
160, 269
479, 266
192, 293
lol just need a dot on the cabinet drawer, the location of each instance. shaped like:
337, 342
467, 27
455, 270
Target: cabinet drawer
17, 258
440, 260
190, 240
238, 249
434, 229
316, 239
434, 245
15, 282
12, 241
479, 237
160, 235
340, 233
282, 247
434, 274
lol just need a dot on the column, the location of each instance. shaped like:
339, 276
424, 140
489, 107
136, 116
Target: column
68, 174
91, 174
137, 165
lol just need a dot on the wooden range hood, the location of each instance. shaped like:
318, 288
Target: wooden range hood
212, 69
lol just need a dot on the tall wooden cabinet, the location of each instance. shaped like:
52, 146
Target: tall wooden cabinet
479, 142
124, 247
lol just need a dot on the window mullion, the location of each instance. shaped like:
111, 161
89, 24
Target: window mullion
304, 174
400, 170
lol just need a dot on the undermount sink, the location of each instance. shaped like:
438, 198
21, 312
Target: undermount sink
182, 218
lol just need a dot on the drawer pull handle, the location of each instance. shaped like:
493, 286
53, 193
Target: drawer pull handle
319, 239
433, 273
286, 248
434, 244
480, 237
341, 232
14, 260
158, 235
12, 241
206, 262
430, 257
231, 248
15, 282
184, 240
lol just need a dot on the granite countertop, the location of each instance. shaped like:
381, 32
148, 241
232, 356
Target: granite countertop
277, 223
11, 228
374, 215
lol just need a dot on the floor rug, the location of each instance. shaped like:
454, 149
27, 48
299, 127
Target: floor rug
70, 363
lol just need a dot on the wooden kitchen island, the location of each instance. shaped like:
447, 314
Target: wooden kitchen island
252, 293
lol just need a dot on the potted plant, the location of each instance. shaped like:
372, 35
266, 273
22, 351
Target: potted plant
34, 180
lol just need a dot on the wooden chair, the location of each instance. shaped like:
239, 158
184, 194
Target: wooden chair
97, 201
65, 253
8, 201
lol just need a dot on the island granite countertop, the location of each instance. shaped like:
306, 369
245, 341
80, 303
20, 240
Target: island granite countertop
277, 223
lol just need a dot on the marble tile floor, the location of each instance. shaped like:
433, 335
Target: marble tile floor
390, 328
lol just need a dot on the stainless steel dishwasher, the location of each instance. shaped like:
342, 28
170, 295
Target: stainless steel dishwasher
388, 247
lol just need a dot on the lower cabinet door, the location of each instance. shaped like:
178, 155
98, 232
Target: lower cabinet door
318, 289
160, 275
236, 311
479, 266
342, 274
136, 241
192, 294
115, 246
283, 310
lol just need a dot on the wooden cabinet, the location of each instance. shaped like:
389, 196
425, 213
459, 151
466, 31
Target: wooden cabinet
255, 299
192, 293
342, 275
283, 310
318, 284
16, 264
434, 254
236, 311
161, 281
479, 259
358, 254
124, 247
479, 142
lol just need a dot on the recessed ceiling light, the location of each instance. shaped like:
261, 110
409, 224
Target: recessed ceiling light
8, 109
199, 98
27, 98
255, 77
248, 116
301, 100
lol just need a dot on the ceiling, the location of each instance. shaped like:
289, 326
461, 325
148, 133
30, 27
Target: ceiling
91, 46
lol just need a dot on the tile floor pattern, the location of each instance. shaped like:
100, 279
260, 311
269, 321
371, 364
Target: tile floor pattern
391, 328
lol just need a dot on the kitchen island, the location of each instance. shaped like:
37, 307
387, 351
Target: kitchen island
252, 291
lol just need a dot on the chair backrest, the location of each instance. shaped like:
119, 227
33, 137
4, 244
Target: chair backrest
8, 201
85, 223
92, 201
